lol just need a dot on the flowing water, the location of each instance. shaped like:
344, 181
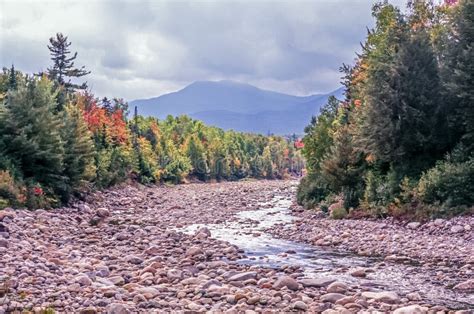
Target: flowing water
247, 232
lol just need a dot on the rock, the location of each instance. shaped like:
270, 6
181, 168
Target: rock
439, 222
122, 236
3, 243
89, 310
300, 305
7, 214
117, 308
414, 296
413, 225
384, 296
337, 287
457, 229
411, 309
117, 280
243, 276
203, 232
148, 292
83, 280
102, 212
286, 281
132, 259
174, 274
317, 282
194, 307
331, 297
360, 272
467, 285
194, 250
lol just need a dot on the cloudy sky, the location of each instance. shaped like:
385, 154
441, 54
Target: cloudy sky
140, 49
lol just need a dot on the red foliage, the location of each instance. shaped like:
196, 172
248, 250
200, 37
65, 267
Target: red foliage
299, 144
37, 191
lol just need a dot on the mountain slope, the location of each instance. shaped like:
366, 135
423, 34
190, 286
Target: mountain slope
232, 105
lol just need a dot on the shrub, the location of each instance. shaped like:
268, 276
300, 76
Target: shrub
337, 210
311, 191
449, 183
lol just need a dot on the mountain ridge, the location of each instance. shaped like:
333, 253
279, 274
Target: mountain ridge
232, 105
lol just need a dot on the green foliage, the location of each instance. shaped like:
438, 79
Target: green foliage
450, 183
408, 102
311, 191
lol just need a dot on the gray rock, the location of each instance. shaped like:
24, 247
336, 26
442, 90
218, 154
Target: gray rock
384, 296
286, 281
317, 282
331, 297
117, 308
243, 276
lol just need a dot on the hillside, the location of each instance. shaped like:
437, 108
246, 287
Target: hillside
238, 106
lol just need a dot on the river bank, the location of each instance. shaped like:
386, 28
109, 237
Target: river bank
210, 247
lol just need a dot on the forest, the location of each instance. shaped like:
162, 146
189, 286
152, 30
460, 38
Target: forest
58, 140
402, 141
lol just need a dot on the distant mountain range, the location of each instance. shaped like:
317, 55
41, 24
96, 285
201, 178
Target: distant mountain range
238, 106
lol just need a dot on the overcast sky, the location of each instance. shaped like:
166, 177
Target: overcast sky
140, 49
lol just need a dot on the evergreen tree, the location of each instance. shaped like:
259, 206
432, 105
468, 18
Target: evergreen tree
12, 80
31, 135
461, 80
63, 68
78, 148
196, 153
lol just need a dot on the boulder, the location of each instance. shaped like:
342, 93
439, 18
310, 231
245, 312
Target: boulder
317, 282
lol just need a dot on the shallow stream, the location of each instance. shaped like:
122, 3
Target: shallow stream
247, 232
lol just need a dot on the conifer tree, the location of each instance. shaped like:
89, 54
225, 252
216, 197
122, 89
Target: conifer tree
63, 68
12, 80
78, 148
31, 134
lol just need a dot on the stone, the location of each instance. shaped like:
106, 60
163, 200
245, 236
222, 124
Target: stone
148, 292
122, 236
243, 276
102, 212
456, 229
194, 250
83, 280
3, 243
174, 274
337, 287
317, 282
384, 296
360, 272
132, 259
286, 281
89, 310
331, 297
117, 308
300, 305
414, 296
204, 231
411, 309
413, 225
467, 285
117, 280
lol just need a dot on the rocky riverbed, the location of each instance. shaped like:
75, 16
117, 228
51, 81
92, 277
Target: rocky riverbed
226, 247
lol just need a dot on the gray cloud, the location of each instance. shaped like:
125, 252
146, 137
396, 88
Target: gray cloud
146, 48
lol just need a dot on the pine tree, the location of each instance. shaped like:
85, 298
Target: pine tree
12, 80
78, 148
31, 135
63, 65
461, 80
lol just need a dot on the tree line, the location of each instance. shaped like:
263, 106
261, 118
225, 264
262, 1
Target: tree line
58, 140
402, 140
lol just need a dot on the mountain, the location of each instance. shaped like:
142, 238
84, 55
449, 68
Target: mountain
238, 106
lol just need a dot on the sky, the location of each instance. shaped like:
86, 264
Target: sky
141, 49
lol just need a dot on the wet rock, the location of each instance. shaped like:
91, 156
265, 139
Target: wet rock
360, 272
384, 296
286, 281
411, 309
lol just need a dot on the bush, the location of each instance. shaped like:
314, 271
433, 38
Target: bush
337, 210
311, 191
449, 183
